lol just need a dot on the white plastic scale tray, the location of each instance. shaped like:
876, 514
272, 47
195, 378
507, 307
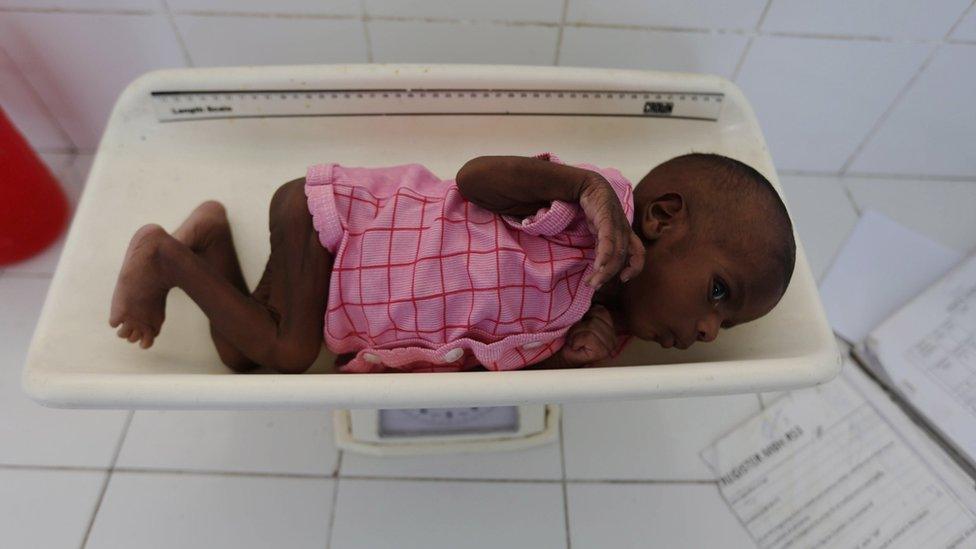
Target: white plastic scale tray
154, 166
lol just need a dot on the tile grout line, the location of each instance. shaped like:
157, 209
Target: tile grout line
640, 481
752, 38
30, 274
879, 123
312, 476
909, 177
850, 198
742, 60
562, 465
269, 14
62, 468
77, 11
878, 175
108, 478
559, 34
853, 37
959, 20
364, 17
500, 22
179, 35
335, 499
55, 121
887, 112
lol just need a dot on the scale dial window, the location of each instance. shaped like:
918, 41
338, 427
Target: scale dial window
434, 421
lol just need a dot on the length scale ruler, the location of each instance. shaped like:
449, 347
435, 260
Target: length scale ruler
202, 105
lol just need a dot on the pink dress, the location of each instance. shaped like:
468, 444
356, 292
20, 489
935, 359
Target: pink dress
424, 280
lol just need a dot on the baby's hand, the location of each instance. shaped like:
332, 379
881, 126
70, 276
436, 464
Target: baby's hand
591, 339
617, 245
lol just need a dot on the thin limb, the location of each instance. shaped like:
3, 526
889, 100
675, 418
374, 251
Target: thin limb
284, 334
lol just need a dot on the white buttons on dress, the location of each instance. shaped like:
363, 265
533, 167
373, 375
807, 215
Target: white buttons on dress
532, 345
453, 355
370, 357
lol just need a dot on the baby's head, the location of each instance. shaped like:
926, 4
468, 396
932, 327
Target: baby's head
720, 250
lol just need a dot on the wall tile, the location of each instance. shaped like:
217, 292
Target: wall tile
967, 28
940, 210
655, 439
630, 516
901, 18
822, 215
31, 434
932, 130
81, 73
215, 41
377, 514
329, 7
658, 50
503, 10
421, 42
202, 511
817, 99
539, 462
298, 442
25, 110
46, 508
716, 14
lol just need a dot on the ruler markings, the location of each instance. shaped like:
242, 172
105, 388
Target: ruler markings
216, 104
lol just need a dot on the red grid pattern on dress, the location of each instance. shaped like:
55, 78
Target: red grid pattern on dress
421, 272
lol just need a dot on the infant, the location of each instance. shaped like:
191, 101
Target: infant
518, 262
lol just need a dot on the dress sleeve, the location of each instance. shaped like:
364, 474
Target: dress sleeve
556, 217
548, 220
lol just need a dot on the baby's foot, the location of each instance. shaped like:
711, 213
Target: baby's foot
139, 301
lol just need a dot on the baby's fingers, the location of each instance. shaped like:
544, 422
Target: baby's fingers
635, 263
585, 347
608, 255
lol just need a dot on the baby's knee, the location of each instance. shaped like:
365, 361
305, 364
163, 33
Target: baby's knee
239, 364
287, 196
293, 356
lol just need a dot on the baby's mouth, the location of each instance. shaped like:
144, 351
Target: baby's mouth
665, 341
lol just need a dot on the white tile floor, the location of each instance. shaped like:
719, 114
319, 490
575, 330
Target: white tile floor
256, 479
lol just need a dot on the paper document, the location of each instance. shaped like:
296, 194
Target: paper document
928, 351
880, 268
823, 467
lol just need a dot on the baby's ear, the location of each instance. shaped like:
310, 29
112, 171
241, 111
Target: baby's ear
662, 214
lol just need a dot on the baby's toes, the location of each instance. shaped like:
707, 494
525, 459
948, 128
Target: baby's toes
136, 335
146, 341
125, 330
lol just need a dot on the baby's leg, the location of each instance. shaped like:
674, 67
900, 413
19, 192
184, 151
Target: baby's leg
207, 232
285, 333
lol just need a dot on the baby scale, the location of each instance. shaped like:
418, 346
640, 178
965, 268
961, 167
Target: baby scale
179, 137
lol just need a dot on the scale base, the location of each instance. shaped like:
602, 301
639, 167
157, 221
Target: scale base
360, 431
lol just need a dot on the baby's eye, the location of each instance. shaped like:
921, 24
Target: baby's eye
719, 291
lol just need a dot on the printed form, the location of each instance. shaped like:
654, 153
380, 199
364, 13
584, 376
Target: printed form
835, 466
928, 351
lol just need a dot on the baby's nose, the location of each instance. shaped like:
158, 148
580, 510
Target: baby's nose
707, 331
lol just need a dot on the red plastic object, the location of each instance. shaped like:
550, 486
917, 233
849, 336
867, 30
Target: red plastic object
33, 208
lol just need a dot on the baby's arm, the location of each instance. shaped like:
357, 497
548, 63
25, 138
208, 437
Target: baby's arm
590, 340
519, 186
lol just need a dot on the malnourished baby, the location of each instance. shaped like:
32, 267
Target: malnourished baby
518, 262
